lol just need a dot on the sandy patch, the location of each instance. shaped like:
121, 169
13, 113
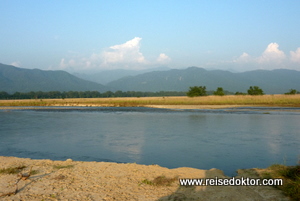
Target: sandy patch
110, 105
196, 106
74, 180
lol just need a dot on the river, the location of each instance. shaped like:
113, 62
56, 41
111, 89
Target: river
227, 139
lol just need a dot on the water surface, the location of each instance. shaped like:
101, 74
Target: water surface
227, 139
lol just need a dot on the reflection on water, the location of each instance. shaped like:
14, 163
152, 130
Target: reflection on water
225, 139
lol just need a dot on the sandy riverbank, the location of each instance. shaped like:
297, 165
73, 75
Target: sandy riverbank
152, 106
75, 180
183, 107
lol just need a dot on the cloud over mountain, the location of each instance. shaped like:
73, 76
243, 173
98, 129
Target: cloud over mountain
128, 52
16, 64
121, 56
272, 54
271, 58
295, 56
163, 58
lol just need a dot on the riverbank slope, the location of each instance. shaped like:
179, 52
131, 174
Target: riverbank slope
76, 180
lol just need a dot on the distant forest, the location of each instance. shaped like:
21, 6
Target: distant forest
194, 91
85, 94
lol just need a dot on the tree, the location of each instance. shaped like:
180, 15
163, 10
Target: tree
255, 90
219, 92
108, 94
291, 92
196, 91
4, 95
240, 93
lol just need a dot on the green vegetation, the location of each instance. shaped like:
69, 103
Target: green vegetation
292, 92
160, 181
255, 90
12, 170
33, 172
219, 92
290, 176
239, 93
85, 94
62, 166
197, 91
148, 182
193, 92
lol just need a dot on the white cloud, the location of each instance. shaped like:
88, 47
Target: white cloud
272, 54
128, 52
271, 58
122, 56
163, 58
244, 58
64, 65
295, 56
16, 64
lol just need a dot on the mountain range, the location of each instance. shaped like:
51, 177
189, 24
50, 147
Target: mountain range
278, 81
13, 79
107, 76
272, 82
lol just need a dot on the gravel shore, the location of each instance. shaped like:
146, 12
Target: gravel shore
75, 180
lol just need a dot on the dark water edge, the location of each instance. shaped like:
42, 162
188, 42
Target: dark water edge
227, 139
148, 109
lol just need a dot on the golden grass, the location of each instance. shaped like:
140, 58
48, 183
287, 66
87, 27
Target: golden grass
264, 100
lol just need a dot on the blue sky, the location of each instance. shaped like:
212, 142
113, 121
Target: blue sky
87, 36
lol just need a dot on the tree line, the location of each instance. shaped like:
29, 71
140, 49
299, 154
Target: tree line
253, 90
85, 94
193, 91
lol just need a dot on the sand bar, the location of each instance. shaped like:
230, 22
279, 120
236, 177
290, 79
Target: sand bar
105, 105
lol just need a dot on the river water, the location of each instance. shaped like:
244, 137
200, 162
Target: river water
227, 139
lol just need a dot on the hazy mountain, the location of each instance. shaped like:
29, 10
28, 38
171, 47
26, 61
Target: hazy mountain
272, 82
14, 79
107, 76
279, 81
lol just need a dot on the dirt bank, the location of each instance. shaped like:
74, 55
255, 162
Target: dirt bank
75, 180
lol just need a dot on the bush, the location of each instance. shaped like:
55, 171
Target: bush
219, 92
255, 90
291, 92
240, 93
197, 91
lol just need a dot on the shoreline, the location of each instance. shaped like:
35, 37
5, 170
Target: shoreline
78, 180
232, 108
183, 107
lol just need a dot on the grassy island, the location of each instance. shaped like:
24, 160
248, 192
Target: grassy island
183, 101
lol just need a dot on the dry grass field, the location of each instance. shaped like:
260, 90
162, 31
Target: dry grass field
229, 100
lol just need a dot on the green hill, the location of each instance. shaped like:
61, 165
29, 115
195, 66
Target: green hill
14, 79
